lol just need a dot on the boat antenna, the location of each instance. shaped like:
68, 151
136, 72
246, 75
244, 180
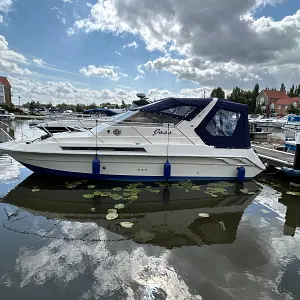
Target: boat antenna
155, 91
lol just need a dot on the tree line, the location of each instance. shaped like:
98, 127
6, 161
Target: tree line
239, 95
249, 96
35, 105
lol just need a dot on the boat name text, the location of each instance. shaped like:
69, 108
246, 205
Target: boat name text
159, 131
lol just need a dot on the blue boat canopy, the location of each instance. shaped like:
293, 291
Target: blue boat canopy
180, 108
225, 125
100, 111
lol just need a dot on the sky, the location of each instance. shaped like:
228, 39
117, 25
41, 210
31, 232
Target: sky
76, 51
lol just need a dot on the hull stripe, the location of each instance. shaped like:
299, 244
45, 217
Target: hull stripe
121, 177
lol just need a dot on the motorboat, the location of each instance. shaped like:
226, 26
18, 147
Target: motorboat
266, 122
169, 140
292, 123
6, 116
75, 122
280, 122
88, 120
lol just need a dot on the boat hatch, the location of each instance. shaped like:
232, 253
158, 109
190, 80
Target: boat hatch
226, 126
122, 149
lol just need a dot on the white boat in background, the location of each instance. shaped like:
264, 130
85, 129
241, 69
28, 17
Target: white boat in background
88, 120
5, 115
173, 139
75, 122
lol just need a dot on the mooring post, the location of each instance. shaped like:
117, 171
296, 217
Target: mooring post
296, 165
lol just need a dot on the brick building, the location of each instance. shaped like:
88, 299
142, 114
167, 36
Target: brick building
275, 101
5, 91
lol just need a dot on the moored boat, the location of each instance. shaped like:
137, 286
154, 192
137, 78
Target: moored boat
173, 139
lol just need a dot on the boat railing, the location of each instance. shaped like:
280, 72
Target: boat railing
8, 126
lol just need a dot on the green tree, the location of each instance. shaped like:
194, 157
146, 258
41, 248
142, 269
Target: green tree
292, 109
218, 93
282, 87
292, 92
254, 95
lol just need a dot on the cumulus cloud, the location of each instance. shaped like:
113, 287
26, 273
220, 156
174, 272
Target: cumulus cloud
38, 61
201, 71
1, 19
104, 72
62, 91
138, 77
134, 44
67, 1
5, 5
219, 33
217, 30
118, 53
10, 60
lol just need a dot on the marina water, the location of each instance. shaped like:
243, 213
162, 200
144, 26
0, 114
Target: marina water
61, 238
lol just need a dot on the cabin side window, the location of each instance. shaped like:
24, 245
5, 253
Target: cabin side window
145, 117
181, 111
223, 123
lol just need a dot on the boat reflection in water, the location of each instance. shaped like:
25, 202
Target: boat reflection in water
182, 214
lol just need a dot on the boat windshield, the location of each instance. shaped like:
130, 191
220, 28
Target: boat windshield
117, 119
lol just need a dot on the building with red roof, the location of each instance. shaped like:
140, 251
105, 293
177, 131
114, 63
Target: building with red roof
282, 105
5, 91
275, 101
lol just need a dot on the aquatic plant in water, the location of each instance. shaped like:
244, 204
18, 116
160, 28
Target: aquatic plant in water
204, 215
119, 206
246, 191
111, 216
88, 196
91, 187
117, 189
111, 211
35, 189
293, 193
126, 224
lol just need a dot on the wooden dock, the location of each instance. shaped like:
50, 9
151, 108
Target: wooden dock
274, 157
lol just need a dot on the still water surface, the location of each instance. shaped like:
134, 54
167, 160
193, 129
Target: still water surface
187, 240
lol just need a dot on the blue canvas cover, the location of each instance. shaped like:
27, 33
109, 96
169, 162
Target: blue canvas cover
238, 138
161, 107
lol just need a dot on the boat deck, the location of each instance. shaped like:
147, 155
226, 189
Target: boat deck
274, 157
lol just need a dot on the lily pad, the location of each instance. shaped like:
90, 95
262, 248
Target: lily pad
112, 211
116, 197
117, 189
71, 186
119, 206
133, 198
98, 193
148, 187
211, 194
111, 216
88, 196
91, 187
93, 209
264, 211
126, 194
155, 191
293, 193
126, 224
35, 190
204, 215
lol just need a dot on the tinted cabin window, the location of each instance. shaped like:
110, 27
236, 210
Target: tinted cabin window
180, 111
223, 123
144, 117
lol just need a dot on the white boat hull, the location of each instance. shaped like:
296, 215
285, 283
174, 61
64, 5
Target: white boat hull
139, 167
